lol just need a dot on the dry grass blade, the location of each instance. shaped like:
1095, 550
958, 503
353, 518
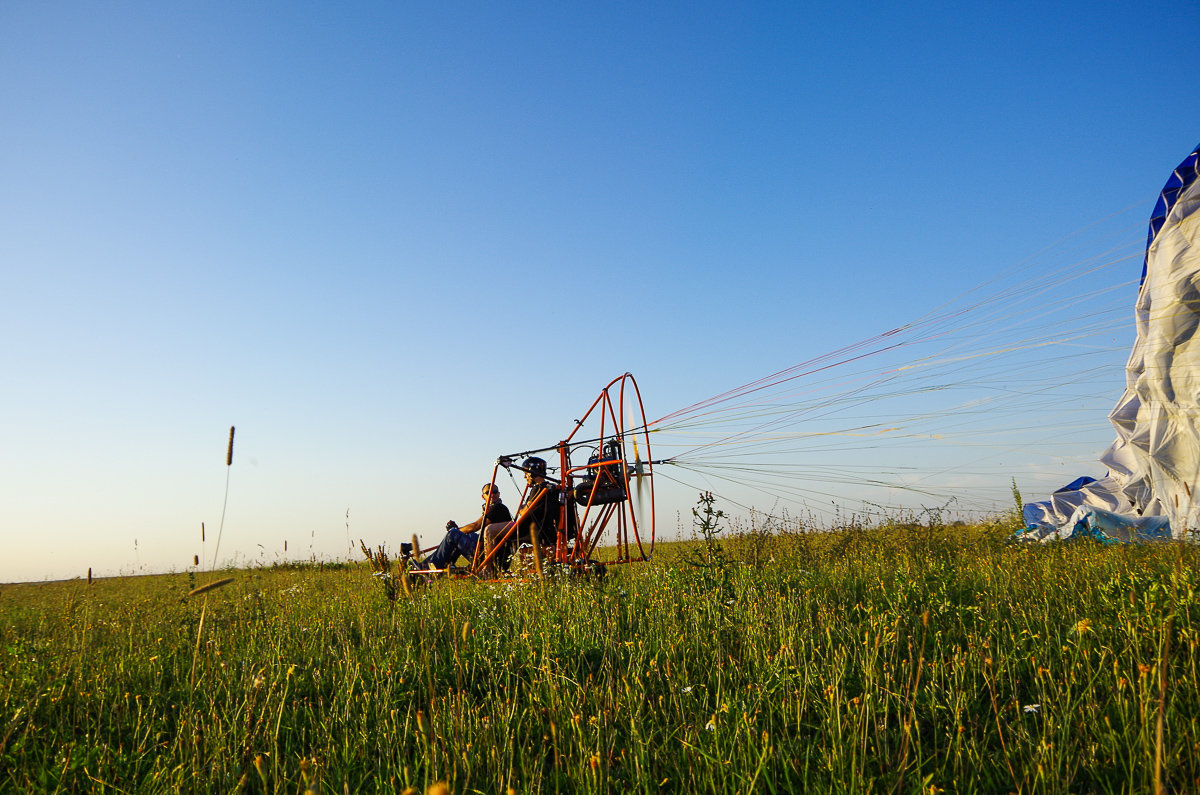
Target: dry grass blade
211, 586
537, 556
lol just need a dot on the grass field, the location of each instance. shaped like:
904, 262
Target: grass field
907, 658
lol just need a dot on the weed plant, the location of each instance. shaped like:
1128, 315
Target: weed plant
912, 657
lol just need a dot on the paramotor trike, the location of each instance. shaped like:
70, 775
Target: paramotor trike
599, 482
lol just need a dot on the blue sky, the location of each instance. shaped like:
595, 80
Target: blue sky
391, 241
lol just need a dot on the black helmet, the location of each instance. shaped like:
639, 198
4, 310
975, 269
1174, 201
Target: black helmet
534, 466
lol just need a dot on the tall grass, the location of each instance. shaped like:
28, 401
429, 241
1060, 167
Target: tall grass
907, 658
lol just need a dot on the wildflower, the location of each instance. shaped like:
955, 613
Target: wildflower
687, 689
1084, 625
1032, 709
710, 727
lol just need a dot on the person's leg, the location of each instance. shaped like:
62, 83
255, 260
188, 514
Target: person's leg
466, 547
454, 544
493, 535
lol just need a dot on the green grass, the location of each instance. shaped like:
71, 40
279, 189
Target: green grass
901, 659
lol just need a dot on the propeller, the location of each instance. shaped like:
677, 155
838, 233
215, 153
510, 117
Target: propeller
641, 472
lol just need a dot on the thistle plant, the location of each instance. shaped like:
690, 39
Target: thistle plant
709, 561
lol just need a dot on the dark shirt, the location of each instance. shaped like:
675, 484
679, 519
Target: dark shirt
544, 516
497, 513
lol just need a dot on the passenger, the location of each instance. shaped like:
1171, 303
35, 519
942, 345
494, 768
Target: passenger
461, 541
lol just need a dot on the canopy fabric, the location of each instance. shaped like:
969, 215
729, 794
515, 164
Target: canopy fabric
1154, 464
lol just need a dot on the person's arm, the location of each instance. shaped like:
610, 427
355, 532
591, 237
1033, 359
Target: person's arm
472, 527
497, 513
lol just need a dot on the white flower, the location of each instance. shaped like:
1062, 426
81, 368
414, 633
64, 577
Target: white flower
687, 689
710, 727
1032, 708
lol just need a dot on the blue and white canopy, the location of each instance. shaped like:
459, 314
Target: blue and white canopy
1154, 465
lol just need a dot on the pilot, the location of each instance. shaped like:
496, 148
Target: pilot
539, 523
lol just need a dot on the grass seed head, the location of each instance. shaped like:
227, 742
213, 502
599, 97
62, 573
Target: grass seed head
211, 586
424, 726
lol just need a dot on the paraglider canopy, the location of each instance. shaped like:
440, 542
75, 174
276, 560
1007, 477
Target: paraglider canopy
1154, 464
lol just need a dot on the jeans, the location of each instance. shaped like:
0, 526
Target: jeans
455, 544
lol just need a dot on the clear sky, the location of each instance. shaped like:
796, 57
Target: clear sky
390, 241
